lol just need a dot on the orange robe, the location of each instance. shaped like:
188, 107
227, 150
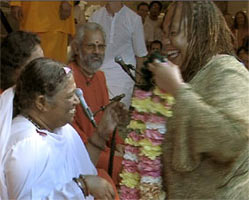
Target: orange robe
42, 17
96, 95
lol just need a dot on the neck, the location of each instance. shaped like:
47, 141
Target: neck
154, 18
36, 120
113, 7
82, 69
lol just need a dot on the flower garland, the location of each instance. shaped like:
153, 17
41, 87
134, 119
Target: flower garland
142, 168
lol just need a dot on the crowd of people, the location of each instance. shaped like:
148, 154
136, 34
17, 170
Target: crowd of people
49, 149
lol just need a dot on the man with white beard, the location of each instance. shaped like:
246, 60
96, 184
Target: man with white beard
88, 50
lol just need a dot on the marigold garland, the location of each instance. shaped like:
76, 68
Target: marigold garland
141, 174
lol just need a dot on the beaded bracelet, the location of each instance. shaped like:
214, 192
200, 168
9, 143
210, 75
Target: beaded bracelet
81, 186
83, 178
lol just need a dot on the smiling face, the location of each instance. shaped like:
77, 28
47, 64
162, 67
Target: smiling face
176, 36
91, 54
61, 109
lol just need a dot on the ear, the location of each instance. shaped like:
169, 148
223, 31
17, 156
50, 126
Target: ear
75, 48
40, 103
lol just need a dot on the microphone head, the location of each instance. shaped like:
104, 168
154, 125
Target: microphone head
79, 92
118, 59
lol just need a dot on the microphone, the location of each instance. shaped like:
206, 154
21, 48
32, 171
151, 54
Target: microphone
85, 107
125, 67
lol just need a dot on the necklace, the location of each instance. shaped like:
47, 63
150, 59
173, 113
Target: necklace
34, 123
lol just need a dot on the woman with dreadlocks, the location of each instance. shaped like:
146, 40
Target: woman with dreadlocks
206, 146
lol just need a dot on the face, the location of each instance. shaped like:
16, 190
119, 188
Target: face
36, 53
92, 52
244, 58
61, 109
155, 10
143, 11
155, 47
175, 40
240, 19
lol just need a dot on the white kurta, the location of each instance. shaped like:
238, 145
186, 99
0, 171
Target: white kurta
40, 165
125, 38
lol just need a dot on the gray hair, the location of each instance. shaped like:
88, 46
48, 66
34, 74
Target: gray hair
79, 36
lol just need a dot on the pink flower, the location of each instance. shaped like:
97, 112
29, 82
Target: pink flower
131, 149
142, 94
133, 135
128, 193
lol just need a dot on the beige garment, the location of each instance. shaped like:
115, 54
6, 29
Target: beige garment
206, 147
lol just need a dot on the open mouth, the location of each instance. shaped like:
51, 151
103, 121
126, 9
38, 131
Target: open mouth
173, 54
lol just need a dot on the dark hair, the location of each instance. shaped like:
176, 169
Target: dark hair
142, 4
235, 24
42, 76
156, 42
207, 33
156, 2
16, 49
245, 48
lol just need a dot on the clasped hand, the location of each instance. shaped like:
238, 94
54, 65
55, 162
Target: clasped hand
114, 114
167, 76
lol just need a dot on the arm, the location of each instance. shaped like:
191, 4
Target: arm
212, 117
28, 166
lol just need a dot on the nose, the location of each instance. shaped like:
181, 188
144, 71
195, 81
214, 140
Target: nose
96, 49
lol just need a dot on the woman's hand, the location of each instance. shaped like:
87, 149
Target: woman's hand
99, 187
167, 76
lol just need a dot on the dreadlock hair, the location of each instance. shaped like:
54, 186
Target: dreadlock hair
207, 33
42, 76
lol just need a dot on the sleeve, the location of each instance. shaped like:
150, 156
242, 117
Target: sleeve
217, 125
138, 38
24, 173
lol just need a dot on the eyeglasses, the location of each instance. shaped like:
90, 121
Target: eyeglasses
93, 47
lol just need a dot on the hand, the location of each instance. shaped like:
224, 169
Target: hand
99, 187
113, 114
65, 10
16, 12
167, 76
119, 150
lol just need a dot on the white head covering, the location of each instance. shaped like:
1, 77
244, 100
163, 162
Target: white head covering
6, 110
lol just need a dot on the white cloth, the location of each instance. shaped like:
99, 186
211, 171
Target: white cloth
38, 164
152, 29
125, 38
6, 110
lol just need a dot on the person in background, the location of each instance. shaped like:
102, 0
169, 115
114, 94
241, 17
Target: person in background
240, 27
17, 49
243, 55
88, 50
125, 38
52, 21
79, 14
152, 22
229, 20
207, 141
156, 46
142, 10
41, 155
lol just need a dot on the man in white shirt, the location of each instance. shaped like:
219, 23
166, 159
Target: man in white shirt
152, 22
125, 38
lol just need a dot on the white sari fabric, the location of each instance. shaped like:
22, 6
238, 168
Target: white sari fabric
38, 164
